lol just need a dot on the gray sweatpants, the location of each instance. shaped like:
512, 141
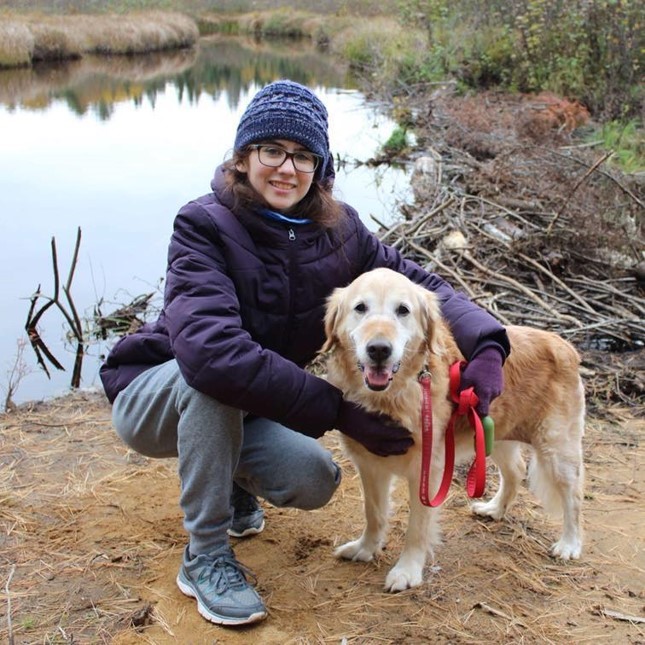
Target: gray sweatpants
159, 415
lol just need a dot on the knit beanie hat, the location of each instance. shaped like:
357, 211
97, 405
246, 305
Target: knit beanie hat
287, 110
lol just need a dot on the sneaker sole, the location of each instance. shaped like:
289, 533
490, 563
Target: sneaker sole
252, 530
217, 618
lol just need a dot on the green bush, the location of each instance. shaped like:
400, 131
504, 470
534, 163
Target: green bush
587, 49
397, 142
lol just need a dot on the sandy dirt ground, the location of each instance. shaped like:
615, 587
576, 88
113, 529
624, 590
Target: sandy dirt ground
92, 537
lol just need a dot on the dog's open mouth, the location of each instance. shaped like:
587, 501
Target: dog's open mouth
378, 377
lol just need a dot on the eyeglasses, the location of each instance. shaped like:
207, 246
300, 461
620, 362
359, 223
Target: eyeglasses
274, 157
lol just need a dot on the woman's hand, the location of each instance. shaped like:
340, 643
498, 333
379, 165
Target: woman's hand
377, 432
484, 374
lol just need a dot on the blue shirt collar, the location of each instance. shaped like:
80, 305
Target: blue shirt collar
279, 217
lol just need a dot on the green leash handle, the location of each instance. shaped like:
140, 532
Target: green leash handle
489, 433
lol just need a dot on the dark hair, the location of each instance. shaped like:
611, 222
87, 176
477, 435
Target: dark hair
318, 205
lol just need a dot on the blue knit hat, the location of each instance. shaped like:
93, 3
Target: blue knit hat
287, 110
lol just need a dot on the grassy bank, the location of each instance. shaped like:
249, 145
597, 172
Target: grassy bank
29, 38
26, 38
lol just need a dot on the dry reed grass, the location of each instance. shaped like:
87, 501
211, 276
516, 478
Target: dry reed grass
16, 43
377, 43
34, 37
92, 537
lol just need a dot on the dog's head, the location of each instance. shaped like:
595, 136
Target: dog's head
385, 321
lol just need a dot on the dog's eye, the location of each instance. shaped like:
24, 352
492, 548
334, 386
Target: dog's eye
402, 310
360, 308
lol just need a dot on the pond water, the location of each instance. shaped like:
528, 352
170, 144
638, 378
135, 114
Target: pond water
116, 147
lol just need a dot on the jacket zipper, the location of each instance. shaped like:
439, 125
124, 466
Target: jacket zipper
292, 252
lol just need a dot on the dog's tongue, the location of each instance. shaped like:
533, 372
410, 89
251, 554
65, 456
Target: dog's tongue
377, 379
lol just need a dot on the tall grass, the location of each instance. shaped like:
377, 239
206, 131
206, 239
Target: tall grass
380, 46
29, 38
626, 140
16, 44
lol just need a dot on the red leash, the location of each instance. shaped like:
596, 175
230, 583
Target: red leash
466, 402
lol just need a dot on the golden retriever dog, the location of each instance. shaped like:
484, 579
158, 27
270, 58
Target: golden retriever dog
542, 406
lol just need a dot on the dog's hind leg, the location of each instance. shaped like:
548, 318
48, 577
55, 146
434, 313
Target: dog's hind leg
376, 498
557, 478
507, 455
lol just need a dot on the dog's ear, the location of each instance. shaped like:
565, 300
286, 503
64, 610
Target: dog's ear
431, 320
332, 315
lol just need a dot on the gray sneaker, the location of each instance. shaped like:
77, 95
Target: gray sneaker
248, 516
218, 582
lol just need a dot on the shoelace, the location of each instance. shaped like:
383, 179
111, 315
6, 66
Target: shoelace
225, 573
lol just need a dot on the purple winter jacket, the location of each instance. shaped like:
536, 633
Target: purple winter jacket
244, 306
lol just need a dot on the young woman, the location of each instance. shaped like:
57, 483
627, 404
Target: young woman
219, 381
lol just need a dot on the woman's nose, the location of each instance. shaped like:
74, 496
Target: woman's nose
290, 166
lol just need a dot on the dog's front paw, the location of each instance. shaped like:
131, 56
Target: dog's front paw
401, 578
488, 509
567, 549
356, 550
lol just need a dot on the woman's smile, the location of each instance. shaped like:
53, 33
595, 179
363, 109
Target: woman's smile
281, 185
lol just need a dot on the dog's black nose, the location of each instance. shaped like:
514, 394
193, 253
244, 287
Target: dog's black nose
379, 351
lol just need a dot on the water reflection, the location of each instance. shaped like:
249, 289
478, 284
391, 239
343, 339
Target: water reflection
117, 145
217, 64
92, 83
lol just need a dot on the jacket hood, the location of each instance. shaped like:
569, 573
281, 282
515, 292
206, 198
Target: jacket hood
220, 187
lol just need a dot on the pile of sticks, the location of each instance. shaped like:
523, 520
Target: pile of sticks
463, 239
521, 264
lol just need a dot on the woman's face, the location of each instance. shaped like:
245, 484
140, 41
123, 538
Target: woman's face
282, 186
